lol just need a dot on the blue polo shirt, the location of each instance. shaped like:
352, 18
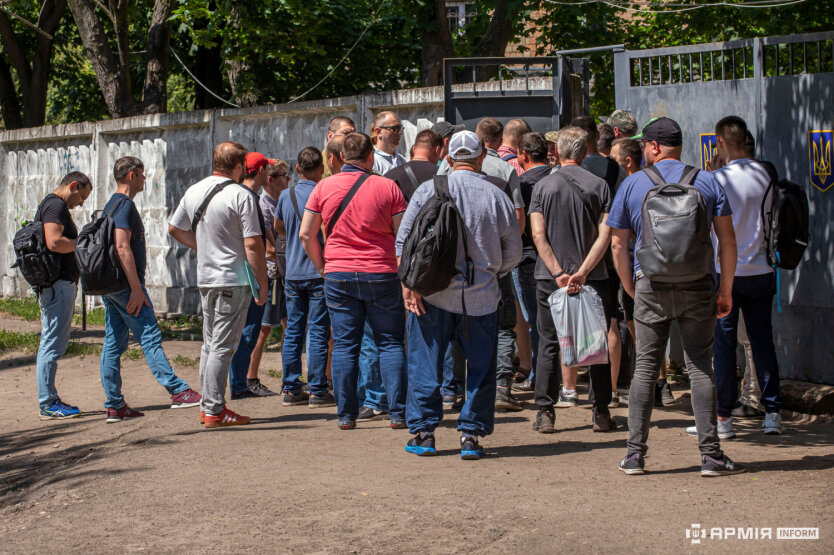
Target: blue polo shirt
626, 210
299, 267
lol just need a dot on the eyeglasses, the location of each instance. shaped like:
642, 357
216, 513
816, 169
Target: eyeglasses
392, 128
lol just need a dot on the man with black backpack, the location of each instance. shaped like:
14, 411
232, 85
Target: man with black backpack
484, 240
670, 207
130, 309
57, 301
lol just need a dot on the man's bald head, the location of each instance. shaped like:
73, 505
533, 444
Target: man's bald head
513, 131
227, 156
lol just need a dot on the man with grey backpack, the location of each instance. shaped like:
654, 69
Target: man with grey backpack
671, 207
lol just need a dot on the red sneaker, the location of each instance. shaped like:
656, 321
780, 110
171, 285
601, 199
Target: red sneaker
124, 413
185, 399
202, 417
226, 418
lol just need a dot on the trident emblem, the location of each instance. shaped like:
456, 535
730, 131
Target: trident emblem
819, 154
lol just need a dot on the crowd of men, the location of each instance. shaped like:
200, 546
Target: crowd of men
539, 212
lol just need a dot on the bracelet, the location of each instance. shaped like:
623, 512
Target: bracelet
557, 276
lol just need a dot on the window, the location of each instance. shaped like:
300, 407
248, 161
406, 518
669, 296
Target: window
459, 14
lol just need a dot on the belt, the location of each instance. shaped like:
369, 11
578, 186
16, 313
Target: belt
637, 275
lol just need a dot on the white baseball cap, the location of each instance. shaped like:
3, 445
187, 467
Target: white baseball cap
465, 145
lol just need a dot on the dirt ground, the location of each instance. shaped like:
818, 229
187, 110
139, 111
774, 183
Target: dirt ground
293, 482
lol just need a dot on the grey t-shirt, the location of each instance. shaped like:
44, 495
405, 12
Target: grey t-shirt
277, 267
570, 226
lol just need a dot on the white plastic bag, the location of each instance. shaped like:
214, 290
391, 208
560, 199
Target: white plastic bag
581, 326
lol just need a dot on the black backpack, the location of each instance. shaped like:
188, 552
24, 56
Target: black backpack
95, 253
430, 253
785, 224
676, 246
40, 266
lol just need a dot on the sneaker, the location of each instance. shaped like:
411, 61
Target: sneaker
567, 400
710, 466
59, 410
185, 399
449, 400
398, 425
545, 421
297, 398
725, 429
366, 414
317, 401
633, 464
258, 389
663, 394
226, 418
746, 411
504, 400
124, 413
245, 394
772, 424
202, 417
603, 422
458, 404
346, 424
615, 400
469, 448
422, 446
526, 385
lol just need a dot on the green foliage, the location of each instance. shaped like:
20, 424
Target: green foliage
26, 307
133, 354
188, 362
95, 317
17, 341
76, 348
73, 93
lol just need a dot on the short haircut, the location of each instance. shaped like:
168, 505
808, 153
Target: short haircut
279, 166
338, 122
79, 177
334, 146
587, 124
605, 136
227, 155
535, 145
310, 159
429, 138
380, 118
733, 130
572, 142
515, 128
629, 148
490, 130
125, 165
750, 145
357, 146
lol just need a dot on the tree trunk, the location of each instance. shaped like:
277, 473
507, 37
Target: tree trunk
240, 72
9, 103
155, 95
497, 36
208, 69
436, 41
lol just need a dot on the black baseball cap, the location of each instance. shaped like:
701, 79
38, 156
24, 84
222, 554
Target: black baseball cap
664, 131
446, 129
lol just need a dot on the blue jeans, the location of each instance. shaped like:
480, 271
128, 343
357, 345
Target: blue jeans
454, 369
752, 295
57, 304
117, 324
369, 388
525, 290
239, 367
351, 298
306, 315
428, 337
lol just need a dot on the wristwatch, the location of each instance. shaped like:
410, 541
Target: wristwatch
556, 276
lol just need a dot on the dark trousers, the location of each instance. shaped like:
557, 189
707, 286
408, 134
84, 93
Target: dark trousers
240, 362
549, 370
505, 371
753, 296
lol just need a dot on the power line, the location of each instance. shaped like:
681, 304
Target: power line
329, 73
688, 8
188, 71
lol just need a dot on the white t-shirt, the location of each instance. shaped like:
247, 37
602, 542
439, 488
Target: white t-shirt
231, 217
745, 182
383, 163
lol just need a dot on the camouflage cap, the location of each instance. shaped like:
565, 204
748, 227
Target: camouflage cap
622, 119
551, 136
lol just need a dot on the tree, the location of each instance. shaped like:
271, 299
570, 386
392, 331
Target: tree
113, 72
27, 52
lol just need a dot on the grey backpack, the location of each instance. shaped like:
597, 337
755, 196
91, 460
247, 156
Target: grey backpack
676, 245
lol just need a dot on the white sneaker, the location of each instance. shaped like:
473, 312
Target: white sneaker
772, 424
567, 400
725, 429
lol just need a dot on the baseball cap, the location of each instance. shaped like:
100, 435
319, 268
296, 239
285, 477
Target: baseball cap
551, 136
622, 119
665, 131
256, 160
465, 145
444, 128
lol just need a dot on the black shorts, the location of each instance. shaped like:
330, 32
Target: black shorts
626, 303
614, 286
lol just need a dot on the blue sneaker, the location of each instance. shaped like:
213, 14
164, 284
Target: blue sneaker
469, 449
421, 446
59, 410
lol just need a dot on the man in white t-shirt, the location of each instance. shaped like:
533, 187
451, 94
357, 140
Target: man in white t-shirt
388, 132
229, 237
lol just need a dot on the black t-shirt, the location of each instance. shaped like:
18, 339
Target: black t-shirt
423, 171
527, 181
127, 217
570, 230
54, 210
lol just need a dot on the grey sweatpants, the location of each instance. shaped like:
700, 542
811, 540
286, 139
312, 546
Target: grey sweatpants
224, 315
656, 306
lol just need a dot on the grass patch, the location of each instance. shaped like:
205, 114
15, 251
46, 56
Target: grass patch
133, 354
83, 349
186, 361
181, 324
26, 308
274, 374
95, 317
16, 341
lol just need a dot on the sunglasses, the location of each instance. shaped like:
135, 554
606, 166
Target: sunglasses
392, 128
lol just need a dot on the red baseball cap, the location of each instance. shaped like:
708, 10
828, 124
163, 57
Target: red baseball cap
256, 160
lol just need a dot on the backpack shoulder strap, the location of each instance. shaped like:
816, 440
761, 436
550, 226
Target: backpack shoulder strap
508, 157
579, 193
688, 175
441, 186
294, 201
655, 176
115, 207
411, 177
198, 215
345, 201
